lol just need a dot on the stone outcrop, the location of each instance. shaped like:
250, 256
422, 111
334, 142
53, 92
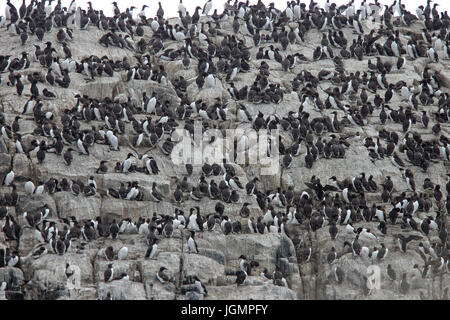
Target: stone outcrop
219, 255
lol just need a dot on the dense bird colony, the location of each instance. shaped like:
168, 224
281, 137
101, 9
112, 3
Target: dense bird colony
92, 107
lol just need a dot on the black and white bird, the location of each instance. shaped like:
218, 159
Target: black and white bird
380, 254
199, 286
109, 273
162, 275
123, 253
332, 256
192, 244
391, 273
403, 241
240, 277
152, 249
9, 178
207, 7
339, 274
114, 229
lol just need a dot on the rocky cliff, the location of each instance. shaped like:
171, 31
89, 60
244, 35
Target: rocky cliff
329, 115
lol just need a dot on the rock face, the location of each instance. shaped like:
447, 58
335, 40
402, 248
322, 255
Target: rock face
298, 99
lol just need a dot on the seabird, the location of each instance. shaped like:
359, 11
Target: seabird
240, 277
207, 7
109, 253
403, 241
192, 244
123, 253
152, 248
339, 274
114, 229
9, 178
162, 275
109, 273
391, 273
332, 256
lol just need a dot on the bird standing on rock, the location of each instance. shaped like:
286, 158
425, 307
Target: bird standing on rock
242, 69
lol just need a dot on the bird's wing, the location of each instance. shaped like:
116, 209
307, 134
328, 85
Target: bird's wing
328, 187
